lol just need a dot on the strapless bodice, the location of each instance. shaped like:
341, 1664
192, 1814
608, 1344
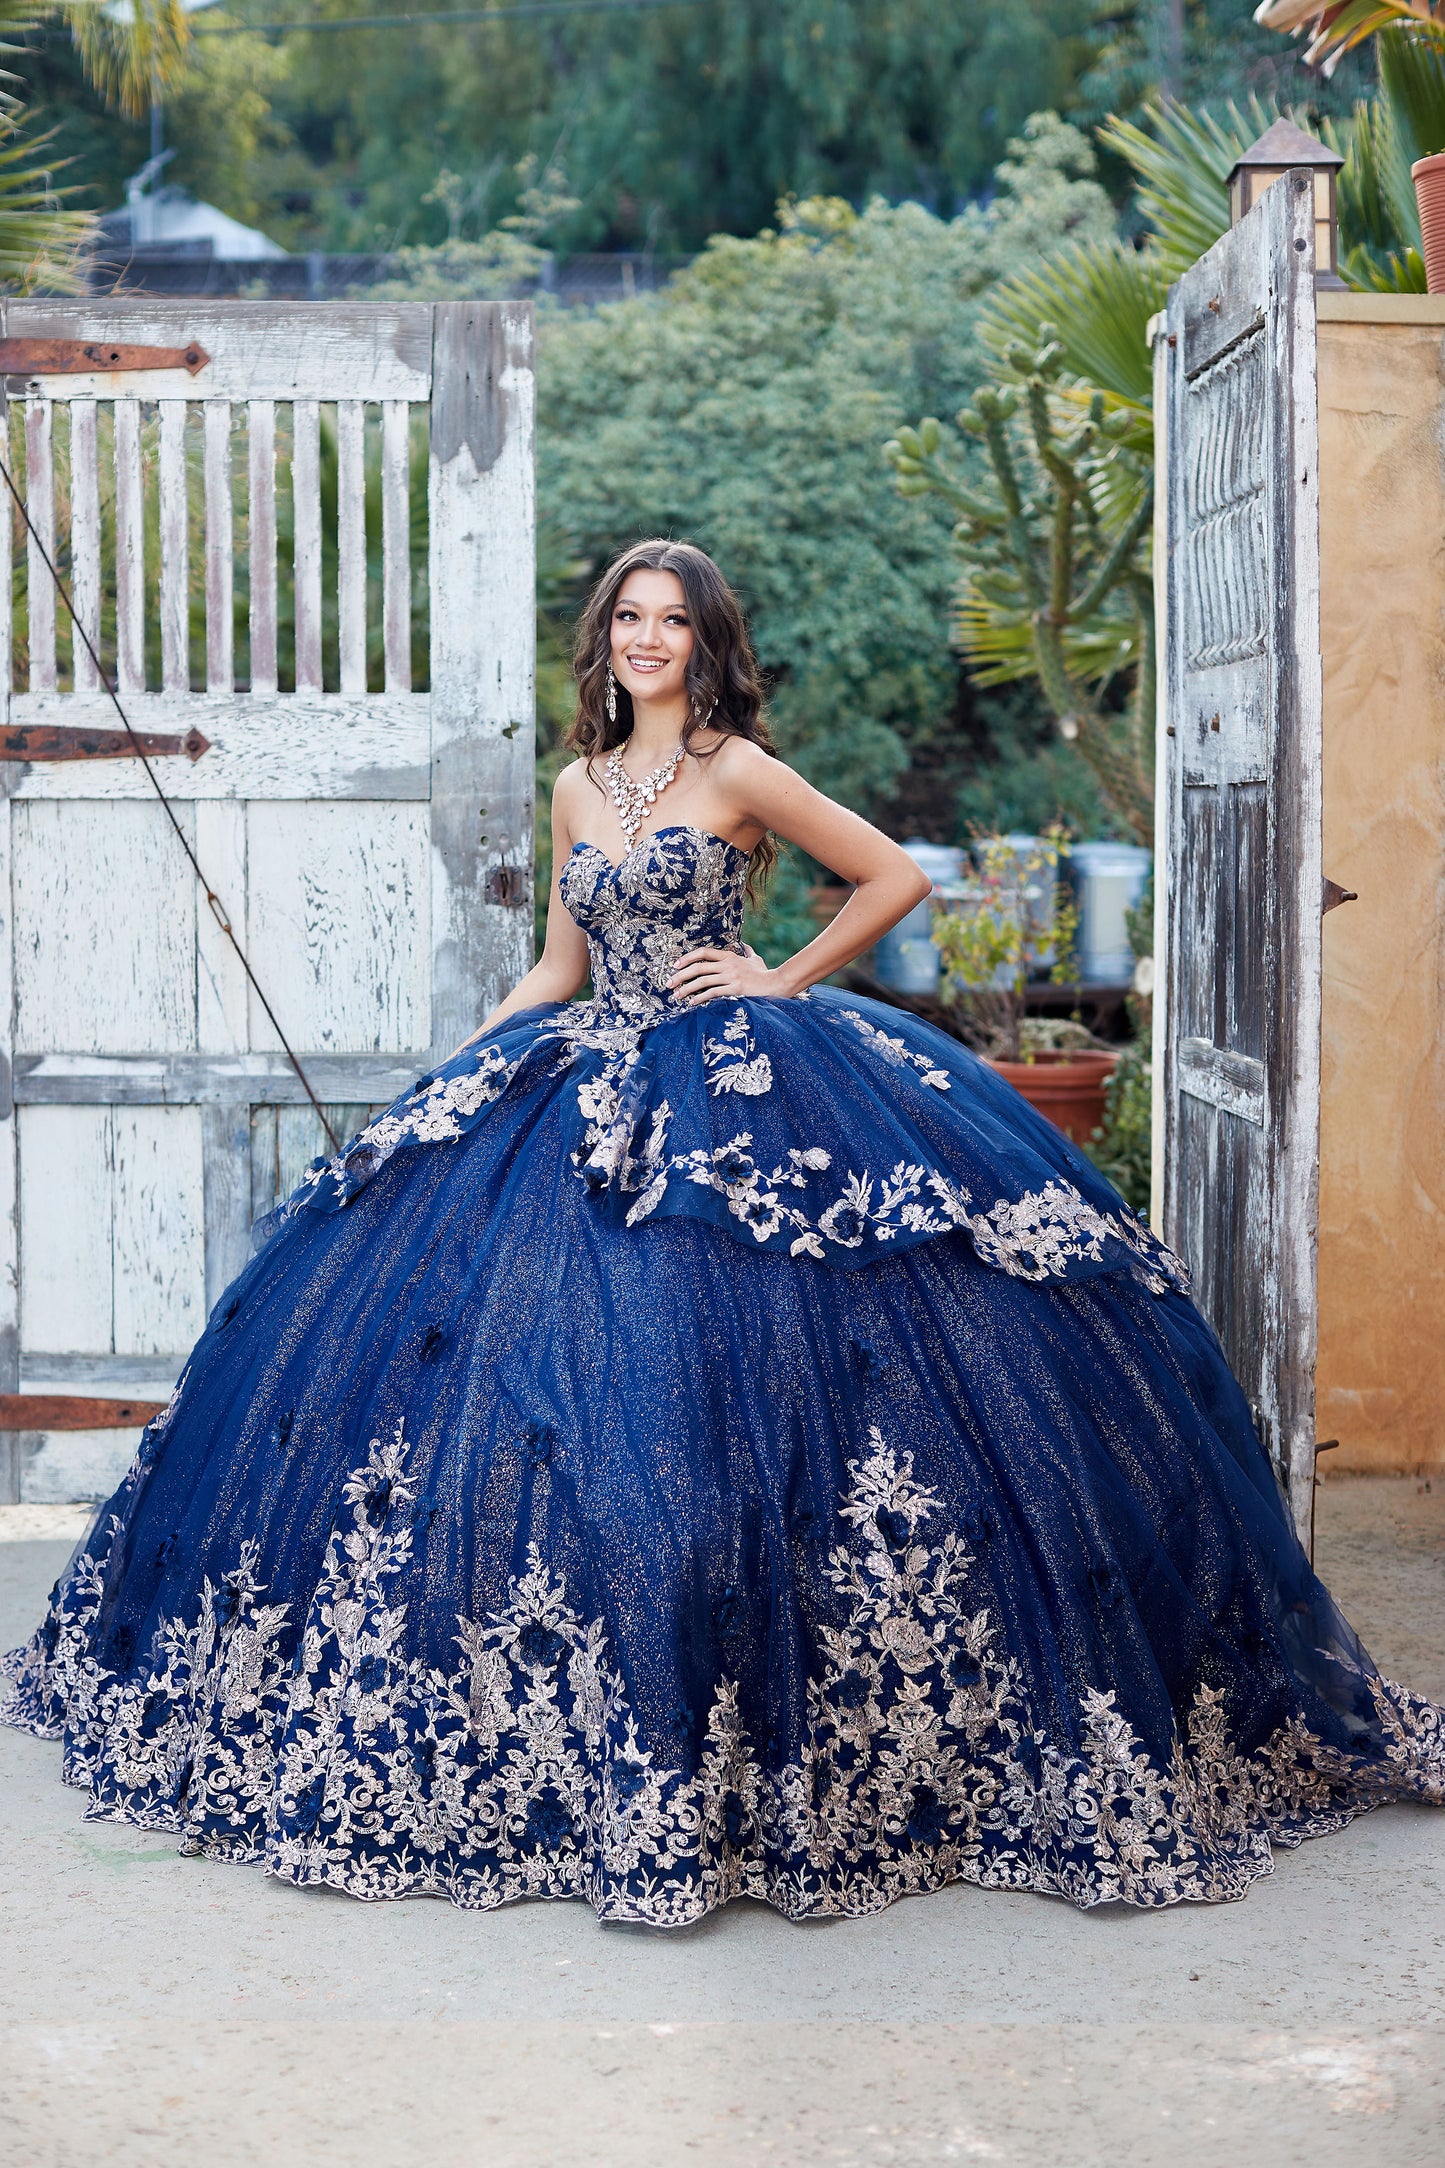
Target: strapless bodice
679, 888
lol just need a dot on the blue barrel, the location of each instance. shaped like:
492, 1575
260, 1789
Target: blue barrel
906, 958
1108, 880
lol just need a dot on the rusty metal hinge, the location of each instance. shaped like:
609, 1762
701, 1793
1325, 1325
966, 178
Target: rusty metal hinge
93, 357
1333, 895
70, 1411
53, 741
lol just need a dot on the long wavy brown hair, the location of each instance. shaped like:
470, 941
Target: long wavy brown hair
723, 684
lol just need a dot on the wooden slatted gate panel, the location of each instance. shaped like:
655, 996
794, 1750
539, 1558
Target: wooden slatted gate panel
1239, 808
317, 551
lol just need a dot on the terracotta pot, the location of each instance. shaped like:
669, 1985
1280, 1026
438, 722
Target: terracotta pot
1428, 174
1067, 1088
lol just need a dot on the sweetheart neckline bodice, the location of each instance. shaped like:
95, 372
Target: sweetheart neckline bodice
669, 828
679, 887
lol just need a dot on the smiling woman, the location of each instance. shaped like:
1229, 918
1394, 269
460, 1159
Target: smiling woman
669, 690
711, 1439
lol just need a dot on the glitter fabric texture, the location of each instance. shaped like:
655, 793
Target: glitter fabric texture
675, 1454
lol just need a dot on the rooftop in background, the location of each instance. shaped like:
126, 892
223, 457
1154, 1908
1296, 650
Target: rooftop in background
166, 221
163, 225
197, 263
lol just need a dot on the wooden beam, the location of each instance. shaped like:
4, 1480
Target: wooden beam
276, 745
9, 1157
257, 349
217, 1079
108, 1377
483, 618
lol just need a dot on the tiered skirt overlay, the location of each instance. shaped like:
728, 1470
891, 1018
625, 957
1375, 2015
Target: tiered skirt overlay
679, 1453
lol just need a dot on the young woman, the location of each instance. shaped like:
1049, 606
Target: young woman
711, 1439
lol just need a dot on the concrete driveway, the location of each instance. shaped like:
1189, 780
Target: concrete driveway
160, 2010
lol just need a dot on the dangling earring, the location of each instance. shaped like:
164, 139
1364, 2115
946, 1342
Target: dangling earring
611, 695
699, 718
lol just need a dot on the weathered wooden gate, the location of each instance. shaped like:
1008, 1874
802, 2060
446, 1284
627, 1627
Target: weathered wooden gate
1239, 807
255, 546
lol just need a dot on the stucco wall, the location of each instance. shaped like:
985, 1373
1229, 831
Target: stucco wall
1382, 1173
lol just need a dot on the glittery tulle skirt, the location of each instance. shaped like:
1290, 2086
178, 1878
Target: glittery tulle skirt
502, 1542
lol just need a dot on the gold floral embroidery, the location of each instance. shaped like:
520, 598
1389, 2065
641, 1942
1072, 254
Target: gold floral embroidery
895, 1052
678, 889
522, 1770
733, 1063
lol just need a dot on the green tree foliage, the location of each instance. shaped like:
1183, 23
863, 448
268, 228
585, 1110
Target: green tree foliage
1053, 552
740, 409
1224, 57
505, 260
743, 407
219, 122
672, 123
1051, 537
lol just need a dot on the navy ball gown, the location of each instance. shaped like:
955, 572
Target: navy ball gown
683, 1453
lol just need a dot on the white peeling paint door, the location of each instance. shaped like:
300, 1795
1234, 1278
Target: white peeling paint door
1239, 808
317, 552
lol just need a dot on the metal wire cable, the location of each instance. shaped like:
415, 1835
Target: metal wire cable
217, 908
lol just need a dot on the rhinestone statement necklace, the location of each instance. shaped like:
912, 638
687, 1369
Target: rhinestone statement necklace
632, 800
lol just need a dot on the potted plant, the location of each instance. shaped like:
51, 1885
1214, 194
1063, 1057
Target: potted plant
994, 932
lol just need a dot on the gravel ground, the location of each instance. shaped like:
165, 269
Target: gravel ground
156, 2008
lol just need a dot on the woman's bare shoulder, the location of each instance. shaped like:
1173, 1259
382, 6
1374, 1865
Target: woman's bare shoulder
739, 764
571, 787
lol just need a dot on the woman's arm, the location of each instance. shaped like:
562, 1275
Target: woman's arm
886, 883
561, 970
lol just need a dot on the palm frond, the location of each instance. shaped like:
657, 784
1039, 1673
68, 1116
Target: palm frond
131, 54
1395, 271
39, 239
1332, 30
16, 18
1412, 79
1181, 161
1096, 298
999, 645
1378, 216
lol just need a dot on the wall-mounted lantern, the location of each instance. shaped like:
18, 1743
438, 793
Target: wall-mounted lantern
1282, 149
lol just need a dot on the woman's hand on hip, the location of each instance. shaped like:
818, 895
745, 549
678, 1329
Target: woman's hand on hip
717, 974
